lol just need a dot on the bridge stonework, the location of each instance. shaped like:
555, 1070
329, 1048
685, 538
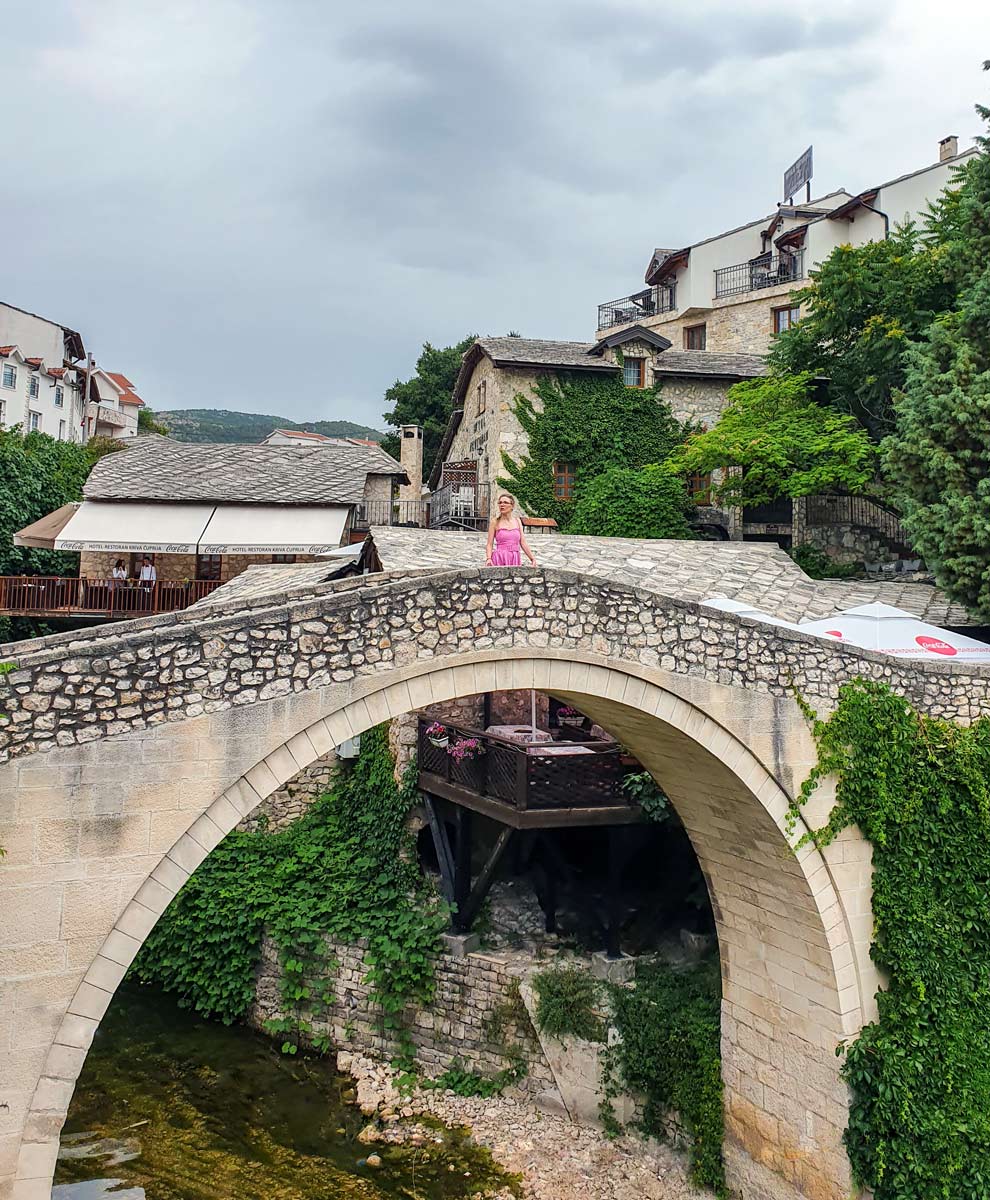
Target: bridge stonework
133, 750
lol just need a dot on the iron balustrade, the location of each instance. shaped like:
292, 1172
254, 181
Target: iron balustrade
863, 512
527, 776
55, 596
660, 298
764, 272
389, 512
463, 505
774, 512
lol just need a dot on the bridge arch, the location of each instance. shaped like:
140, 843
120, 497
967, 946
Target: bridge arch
796, 978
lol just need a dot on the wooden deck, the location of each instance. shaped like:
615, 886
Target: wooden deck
48, 596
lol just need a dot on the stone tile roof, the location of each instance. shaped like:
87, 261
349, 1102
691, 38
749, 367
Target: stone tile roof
710, 363
757, 572
507, 351
165, 470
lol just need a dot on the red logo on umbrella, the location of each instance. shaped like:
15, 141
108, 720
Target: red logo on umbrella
833, 633
935, 645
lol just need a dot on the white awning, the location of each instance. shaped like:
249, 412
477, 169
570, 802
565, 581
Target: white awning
743, 609
134, 528
274, 529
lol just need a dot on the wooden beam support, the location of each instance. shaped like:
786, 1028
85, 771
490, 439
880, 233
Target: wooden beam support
441, 844
484, 881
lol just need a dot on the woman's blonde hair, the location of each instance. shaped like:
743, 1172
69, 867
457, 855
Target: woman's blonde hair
506, 496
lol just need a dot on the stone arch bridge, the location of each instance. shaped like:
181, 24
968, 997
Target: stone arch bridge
132, 750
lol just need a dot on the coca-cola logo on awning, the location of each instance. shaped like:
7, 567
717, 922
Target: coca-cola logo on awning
935, 645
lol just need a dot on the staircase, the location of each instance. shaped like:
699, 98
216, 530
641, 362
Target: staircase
864, 513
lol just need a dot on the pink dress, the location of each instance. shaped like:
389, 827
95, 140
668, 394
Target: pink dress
505, 552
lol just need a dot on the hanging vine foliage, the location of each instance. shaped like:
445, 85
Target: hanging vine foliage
592, 422
345, 871
919, 789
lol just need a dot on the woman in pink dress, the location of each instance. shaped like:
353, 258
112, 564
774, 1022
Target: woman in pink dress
506, 537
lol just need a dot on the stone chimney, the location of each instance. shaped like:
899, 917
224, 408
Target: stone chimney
948, 147
411, 458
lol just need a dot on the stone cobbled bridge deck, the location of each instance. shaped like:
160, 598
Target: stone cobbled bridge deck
132, 750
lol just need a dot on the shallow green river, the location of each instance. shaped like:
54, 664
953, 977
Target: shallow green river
170, 1107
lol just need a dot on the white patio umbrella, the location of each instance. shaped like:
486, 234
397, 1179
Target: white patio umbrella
744, 609
893, 631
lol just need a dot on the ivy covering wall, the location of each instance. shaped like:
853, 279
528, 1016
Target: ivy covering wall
594, 423
346, 869
919, 789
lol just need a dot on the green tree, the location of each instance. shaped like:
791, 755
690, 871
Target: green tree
626, 502
865, 305
591, 422
148, 423
425, 399
938, 459
785, 443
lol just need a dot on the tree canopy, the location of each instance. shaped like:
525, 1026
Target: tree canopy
626, 502
938, 458
784, 443
593, 423
425, 399
864, 306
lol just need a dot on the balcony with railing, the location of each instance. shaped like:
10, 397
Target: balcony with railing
651, 301
55, 596
459, 505
527, 785
389, 512
767, 271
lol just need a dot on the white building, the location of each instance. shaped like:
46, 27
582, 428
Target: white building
41, 375
733, 292
113, 407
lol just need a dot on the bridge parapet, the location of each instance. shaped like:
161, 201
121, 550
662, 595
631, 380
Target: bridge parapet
70, 689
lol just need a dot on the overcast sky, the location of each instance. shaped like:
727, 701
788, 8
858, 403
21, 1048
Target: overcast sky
269, 205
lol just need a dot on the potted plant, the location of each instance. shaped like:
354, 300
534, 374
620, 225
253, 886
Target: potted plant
569, 716
438, 734
465, 749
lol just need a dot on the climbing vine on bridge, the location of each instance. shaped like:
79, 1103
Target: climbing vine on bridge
919, 789
344, 871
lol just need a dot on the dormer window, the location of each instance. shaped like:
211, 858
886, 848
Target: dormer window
634, 372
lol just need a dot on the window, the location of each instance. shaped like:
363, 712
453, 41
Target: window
34, 421
61, 431
634, 372
563, 479
59, 395
9, 376
482, 396
33, 388
784, 318
283, 558
208, 566
695, 337
700, 488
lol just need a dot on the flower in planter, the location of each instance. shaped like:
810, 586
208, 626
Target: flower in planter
566, 711
438, 734
466, 749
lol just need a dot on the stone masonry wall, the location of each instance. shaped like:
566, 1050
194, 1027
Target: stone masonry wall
474, 996
295, 797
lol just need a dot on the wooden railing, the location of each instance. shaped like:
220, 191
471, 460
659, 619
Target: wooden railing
863, 512
54, 596
528, 776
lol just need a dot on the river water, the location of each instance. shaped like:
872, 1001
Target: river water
171, 1107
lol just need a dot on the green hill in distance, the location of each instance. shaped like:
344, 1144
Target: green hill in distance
222, 425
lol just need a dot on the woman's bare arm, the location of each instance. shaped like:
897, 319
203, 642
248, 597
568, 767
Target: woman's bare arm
525, 545
491, 541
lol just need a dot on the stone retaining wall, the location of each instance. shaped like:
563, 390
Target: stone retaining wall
460, 1027
295, 797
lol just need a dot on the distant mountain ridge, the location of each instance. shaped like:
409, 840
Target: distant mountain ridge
223, 425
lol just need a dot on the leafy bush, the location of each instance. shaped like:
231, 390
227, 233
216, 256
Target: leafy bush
644, 503
345, 870
816, 564
919, 789
646, 792
567, 1004
669, 1049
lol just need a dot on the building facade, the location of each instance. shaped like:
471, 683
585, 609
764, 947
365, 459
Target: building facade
41, 375
734, 292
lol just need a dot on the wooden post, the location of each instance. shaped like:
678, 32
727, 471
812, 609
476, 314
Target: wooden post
462, 864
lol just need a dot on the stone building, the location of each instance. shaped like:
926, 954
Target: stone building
202, 513
483, 425
733, 292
